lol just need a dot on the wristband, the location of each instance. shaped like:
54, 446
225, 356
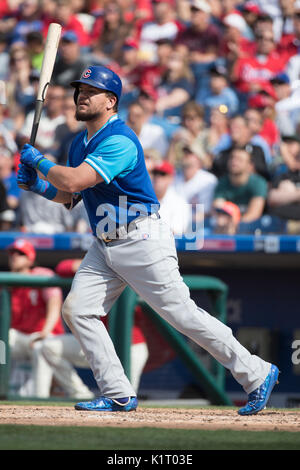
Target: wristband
45, 189
44, 165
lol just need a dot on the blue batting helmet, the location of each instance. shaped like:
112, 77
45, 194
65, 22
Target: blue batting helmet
99, 77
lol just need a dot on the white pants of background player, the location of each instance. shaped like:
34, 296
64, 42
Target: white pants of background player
147, 261
39, 380
63, 352
24, 351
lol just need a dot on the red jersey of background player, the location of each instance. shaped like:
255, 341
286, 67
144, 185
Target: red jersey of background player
28, 306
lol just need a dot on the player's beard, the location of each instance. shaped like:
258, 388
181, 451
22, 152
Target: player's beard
86, 116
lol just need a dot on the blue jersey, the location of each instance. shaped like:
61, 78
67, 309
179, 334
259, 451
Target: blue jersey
126, 192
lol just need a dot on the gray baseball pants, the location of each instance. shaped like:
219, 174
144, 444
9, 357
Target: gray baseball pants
146, 260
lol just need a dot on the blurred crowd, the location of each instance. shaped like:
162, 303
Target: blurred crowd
211, 88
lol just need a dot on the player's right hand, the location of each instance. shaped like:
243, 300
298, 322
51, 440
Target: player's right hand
27, 176
31, 156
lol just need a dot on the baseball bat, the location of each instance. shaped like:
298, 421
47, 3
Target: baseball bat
51, 47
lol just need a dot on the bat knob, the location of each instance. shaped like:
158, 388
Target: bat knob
24, 186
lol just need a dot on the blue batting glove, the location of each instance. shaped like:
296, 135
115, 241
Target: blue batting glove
29, 177
31, 156
26, 175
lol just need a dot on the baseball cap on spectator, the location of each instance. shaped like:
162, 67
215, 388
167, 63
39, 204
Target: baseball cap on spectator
25, 247
196, 150
219, 69
130, 43
235, 20
264, 16
69, 36
280, 78
162, 41
258, 101
201, 5
229, 208
268, 89
251, 7
164, 167
290, 138
170, 2
149, 92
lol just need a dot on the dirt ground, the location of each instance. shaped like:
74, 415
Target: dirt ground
205, 418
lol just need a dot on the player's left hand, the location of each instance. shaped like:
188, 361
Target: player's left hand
26, 176
31, 156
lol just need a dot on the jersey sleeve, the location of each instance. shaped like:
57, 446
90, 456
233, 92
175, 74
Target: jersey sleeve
221, 189
47, 292
259, 187
114, 156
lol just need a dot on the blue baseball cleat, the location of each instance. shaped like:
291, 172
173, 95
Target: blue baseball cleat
108, 404
258, 399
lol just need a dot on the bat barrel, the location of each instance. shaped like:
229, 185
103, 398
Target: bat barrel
51, 47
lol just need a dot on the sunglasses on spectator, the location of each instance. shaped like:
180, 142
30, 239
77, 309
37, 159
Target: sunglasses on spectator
19, 59
158, 173
111, 10
265, 38
190, 117
14, 251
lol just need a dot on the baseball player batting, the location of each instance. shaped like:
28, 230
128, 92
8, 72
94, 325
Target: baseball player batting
132, 246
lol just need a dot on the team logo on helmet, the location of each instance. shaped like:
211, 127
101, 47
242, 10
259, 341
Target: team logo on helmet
86, 73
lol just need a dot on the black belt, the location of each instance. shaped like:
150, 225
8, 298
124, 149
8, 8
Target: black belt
130, 227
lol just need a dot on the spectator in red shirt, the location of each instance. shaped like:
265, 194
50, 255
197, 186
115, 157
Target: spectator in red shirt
251, 74
136, 11
235, 43
64, 15
35, 315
